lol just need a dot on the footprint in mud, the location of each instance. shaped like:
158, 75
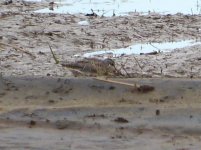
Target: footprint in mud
98, 88
31, 97
66, 124
9, 86
51, 101
96, 116
112, 87
62, 89
2, 94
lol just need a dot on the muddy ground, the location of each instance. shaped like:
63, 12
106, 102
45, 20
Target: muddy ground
25, 38
59, 113
85, 113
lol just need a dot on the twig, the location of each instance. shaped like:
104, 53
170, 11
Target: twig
117, 82
137, 62
54, 56
144, 39
122, 67
118, 71
155, 47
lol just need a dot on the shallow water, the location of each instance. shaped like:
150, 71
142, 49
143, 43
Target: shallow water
144, 48
122, 7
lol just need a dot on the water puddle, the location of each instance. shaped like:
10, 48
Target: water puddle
84, 23
122, 7
144, 48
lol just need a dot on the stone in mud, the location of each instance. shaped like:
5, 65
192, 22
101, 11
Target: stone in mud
51, 101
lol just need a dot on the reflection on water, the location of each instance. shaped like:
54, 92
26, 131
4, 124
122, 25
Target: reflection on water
144, 48
121, 7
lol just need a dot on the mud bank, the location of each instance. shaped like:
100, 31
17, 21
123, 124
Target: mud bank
51, 92
85, 113
88, 113
25, 38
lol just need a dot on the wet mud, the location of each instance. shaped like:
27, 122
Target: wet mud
43, 106
88, 113
25, 38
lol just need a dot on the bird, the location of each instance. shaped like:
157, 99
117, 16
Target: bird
94, 66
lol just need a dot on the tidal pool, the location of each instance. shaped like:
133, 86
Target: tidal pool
123, 7
144, 48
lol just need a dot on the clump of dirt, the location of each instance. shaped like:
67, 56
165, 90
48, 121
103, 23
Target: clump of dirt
145, 88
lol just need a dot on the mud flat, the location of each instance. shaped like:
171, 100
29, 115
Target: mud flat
25, 38
44, 106
85, 113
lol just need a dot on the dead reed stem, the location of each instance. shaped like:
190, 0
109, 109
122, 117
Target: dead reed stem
53, 55
117, 82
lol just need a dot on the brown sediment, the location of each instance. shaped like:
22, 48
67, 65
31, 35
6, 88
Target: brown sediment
97, 113
90, 111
